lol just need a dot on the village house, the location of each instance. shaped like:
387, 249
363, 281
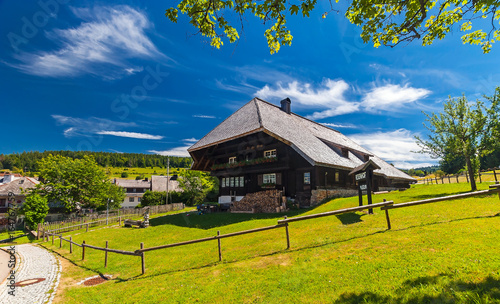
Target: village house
135, 189
19, 186
262, 146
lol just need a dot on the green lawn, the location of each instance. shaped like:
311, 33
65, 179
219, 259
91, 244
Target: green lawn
444, 252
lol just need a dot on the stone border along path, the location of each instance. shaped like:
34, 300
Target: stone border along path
33, 262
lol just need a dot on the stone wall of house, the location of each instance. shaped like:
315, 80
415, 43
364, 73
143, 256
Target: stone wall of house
319, 195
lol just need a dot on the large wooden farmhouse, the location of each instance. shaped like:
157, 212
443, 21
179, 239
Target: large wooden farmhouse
262, 146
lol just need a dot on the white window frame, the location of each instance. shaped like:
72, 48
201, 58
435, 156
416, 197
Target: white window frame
232, 160
269, 178
242, 181
270, 153
231, 182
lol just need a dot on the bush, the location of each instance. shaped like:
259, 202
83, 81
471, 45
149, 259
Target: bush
124, 174
35, 209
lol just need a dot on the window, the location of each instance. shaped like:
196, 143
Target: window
135, 190
242, 181
231, 182
232, 160
236, 181
223, 182
139, 199
269, 178
337, 176
131, 199
307, 178
270, 153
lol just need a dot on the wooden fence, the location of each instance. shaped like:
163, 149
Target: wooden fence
141, 251
455, 178
101, 219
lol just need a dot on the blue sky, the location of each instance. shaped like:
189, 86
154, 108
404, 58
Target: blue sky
117, 76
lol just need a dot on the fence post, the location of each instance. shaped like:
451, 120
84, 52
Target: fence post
220, 250
387, 217
38, 231
83, 251
143, 258
52, 239
120, 221
106, 256
449, 180
87, 227
287, 235
70, 244
494, 173
60, 241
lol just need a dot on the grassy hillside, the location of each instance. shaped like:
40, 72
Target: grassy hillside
437, 253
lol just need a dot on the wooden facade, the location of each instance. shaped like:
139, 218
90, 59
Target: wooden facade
257, 149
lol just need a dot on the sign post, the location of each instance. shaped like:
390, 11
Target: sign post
364, 177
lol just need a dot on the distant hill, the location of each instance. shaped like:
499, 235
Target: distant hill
27, 161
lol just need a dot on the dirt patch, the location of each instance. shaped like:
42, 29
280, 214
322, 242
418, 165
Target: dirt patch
96, 280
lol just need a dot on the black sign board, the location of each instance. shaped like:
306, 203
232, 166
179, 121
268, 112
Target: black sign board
364, 178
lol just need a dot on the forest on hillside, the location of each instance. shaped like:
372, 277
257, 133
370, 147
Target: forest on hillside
27, 161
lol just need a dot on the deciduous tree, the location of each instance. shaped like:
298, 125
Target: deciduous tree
35, 209
383, 22
469, 129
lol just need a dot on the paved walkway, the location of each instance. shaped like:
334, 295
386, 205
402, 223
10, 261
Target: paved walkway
33, 262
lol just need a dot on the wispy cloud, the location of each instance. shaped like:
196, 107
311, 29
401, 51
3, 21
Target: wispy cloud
395, 147
330, 96
130, 135
392, 97
190, 140
88, 126
340, 126
204, 116
101, 45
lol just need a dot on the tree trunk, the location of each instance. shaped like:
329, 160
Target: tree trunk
471, 173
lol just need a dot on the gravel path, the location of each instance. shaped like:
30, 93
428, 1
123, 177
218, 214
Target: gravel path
33, 262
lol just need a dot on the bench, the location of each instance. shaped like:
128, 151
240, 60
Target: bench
141, 224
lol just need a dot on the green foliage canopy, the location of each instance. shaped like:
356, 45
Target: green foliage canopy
469, 129
196, 185
71, 181
35, 209
383, 22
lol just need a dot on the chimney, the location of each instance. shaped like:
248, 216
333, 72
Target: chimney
285, 105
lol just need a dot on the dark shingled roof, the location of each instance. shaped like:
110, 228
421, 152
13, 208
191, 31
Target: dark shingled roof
318, 144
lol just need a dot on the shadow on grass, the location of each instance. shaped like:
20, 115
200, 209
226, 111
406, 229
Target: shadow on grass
213, 220
444, 222
350, 218
422, 290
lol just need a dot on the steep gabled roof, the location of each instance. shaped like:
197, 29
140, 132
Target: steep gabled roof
318, 144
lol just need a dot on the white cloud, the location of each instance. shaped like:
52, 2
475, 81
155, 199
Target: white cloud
88, 126
101, 45
329, 96
204, 116
178, 151
391, 97
190, 140
340, 126
130, 134
395, 147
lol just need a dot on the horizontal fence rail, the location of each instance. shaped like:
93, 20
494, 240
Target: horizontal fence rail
283, 223
494, 189
335, 212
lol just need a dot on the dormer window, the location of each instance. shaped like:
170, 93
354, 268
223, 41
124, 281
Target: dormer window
270, 153
345, 152
232, 160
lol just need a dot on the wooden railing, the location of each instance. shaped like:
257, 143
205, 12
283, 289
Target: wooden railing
283, 223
